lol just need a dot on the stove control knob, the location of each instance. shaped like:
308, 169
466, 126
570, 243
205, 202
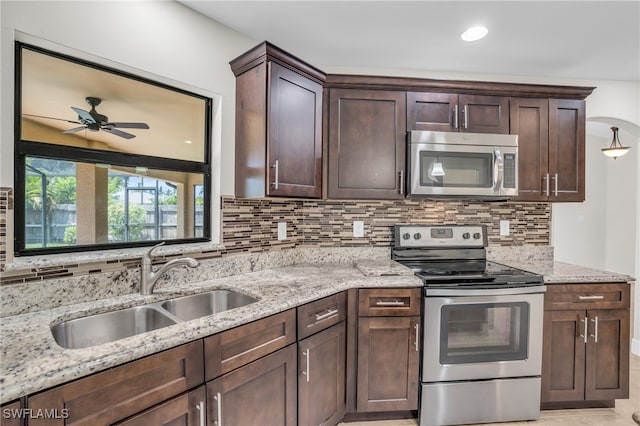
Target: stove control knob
477, 235
417, 235
406, 236
466, 235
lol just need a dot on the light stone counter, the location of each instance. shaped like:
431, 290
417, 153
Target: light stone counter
563, 273
32, 361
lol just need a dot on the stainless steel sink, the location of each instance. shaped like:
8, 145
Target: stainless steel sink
109, 326
199, 305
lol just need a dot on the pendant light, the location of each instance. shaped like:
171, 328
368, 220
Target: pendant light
616, 149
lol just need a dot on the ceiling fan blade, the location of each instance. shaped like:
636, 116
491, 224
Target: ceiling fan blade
51, 118
85, 117
75, 129
119, 133
129, 125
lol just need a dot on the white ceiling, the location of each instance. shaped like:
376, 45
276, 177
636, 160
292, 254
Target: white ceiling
556, 39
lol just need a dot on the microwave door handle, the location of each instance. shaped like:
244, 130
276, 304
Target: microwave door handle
498, 170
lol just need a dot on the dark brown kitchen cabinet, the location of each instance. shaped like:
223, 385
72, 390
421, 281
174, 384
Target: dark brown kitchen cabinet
550, 147
586, 344
113, 395
388, 350
11, 414
322, 361
278, 125
366, 144
321, 380
188, 409
261, 392
451, 112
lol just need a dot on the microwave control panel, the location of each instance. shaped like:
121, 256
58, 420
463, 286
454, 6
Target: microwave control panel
509, 171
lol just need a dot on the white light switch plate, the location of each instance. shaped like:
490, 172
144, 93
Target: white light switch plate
358, 229
282, 231
504, 228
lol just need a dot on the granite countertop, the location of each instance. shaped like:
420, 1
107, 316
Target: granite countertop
32, 361
564, 273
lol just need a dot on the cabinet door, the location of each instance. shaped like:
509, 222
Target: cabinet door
388, 359
432, 111
607, 360
529, 119
12, 414
367, 138
263, 391
566, 149
294, 146
115, 394
563, 356
321, 381
188, 409
483, 114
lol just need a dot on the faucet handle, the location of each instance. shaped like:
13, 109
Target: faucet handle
147, 255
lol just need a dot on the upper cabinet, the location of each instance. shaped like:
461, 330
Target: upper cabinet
278, 125
366, 146
451, 112
551, 147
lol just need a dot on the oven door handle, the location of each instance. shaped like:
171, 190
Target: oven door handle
498, 170
483, 292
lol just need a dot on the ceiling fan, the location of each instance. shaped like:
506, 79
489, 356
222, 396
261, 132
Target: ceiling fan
94, 121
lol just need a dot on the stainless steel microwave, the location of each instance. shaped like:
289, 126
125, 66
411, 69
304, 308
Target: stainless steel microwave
469, 165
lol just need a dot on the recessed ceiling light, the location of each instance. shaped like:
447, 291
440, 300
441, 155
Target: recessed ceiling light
474, 33
188, 142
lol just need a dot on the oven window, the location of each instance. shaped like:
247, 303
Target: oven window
484, 332
456, 169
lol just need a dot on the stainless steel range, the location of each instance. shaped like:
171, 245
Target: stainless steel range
482, 328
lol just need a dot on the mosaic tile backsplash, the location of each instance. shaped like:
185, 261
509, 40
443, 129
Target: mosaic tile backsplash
251, 226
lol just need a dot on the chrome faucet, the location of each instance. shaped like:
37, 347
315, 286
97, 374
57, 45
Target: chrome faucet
149, 279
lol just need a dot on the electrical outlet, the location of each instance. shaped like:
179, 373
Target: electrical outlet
504, 228
282, 231
358, 228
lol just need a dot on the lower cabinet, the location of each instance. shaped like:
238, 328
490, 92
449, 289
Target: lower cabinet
11, 414
321, 382
585, 351
261, 392
188, 409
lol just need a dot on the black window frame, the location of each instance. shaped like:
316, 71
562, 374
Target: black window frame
25, 148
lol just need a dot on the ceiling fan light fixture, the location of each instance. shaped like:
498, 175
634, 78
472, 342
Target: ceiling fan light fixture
474, 33
616, 149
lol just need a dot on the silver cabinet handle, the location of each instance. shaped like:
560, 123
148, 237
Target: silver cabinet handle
586, 324
401, 182
218, 399
455, 117
466, 117
327, 315
200, 408
394, 303
555, 185
595, 335
590, 297
546, 179
307, 355
275, 174
417, 341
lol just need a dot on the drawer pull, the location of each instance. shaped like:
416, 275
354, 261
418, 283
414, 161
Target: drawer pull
326, 315
201, 413
392, 303
590, 297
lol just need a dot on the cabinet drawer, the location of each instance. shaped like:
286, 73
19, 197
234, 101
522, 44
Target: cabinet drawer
321, 314
376, 302
112, 395
11, 415
587, 296
234, 348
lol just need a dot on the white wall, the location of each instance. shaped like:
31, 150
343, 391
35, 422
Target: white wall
160, 37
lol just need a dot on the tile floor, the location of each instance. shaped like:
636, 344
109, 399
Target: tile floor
618, 416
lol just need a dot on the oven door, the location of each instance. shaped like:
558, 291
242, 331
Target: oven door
463, 170
482, 337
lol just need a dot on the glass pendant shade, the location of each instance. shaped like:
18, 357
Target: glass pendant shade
616, 149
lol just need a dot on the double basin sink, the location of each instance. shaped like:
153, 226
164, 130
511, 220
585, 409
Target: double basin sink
115, 325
